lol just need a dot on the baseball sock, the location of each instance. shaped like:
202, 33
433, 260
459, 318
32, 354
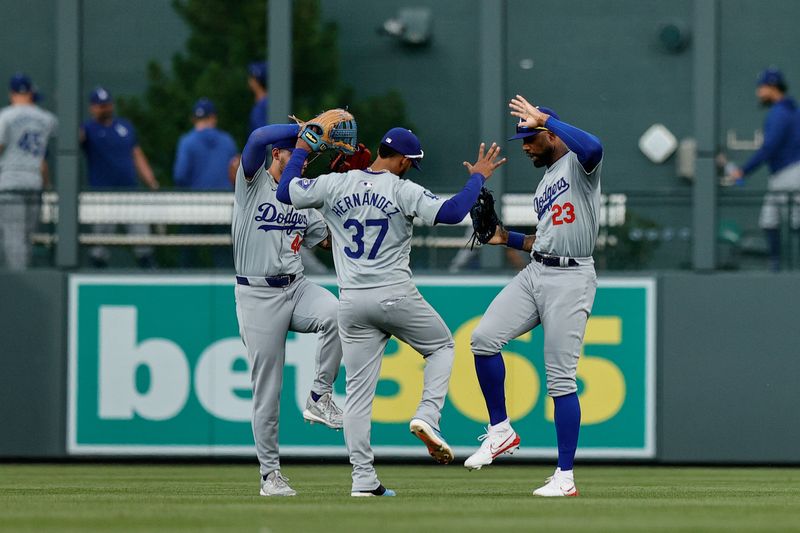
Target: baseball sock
568, 424
315, 396
492, 376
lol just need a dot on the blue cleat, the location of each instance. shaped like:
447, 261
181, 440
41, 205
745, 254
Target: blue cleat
380, 491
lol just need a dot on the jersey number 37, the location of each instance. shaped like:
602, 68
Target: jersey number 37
357, 248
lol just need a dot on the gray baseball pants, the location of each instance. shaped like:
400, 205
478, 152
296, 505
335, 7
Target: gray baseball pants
560, 299
782, 185
19, 218
265, 316
367, 319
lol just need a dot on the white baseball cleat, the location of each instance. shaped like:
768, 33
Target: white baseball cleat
274, 484
323, 411
496, 441
559, 484
437, 446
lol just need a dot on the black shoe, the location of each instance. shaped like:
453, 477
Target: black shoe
380, 491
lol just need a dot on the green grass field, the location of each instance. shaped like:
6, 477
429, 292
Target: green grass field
430, 498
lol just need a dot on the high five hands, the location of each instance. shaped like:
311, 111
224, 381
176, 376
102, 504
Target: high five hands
487, 162
528, 113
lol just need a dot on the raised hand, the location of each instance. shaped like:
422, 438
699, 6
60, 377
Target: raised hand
487, 162
528, 113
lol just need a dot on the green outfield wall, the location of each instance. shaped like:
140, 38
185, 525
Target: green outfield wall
675, 368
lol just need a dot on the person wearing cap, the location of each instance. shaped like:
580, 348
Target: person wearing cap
781, 152
202, 161
115, 161
204, 153
25, 130
555, 290
370, 214
257, 79
273, 296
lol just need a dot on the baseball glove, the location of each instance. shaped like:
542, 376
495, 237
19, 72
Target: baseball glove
484, 218
358, 160
334, 128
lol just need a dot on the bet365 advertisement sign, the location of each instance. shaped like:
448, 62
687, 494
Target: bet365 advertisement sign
157, 367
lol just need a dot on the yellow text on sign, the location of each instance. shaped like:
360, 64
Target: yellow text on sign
602, 396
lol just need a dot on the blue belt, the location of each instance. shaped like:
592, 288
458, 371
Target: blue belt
554, 261
281, 280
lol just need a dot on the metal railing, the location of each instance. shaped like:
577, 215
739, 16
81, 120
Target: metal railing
639, 230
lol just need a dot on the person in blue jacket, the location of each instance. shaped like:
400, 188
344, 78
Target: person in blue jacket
201, 164
781, 152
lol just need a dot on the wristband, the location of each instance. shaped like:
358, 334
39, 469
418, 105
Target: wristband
516, 240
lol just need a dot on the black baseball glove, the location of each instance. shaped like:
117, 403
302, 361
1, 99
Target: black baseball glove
484, 218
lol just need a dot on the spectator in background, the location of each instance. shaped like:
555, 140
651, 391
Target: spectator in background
781, 152
25, 130
204, 153
114, 159
257, 76
203, 157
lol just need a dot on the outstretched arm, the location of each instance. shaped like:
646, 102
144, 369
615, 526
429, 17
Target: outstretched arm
456, 208
294, 169
585, 145
255, 151
778, 121
513, 239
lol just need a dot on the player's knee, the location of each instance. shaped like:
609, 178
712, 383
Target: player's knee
329, 316
561, 385
483, 342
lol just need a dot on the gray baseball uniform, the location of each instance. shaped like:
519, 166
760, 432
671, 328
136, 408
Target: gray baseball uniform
267, 236
370, 217
783, 186
560, 297
24, 133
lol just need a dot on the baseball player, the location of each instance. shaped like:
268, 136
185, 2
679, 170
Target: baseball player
781, 152
25, 130
273, 297
370, 214
556, 289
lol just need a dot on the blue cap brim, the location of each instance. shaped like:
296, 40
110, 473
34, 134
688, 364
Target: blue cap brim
525, 134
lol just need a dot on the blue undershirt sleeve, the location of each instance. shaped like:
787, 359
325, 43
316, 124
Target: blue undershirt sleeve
456, 208
255, 151
294, 168
585, 145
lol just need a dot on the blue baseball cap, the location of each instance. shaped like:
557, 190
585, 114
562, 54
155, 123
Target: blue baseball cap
20, 83
771, 76
204, 108
285, 144
525, 131
404, 142
259, 70
99, 95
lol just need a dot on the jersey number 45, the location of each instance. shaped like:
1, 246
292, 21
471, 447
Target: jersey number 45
355, 252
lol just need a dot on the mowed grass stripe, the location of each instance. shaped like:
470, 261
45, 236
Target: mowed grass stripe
430, 497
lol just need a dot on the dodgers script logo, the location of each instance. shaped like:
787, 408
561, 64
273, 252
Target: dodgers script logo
551, 192
288, 221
